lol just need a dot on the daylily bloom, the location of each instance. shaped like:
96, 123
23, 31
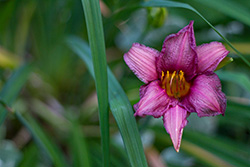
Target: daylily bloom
178, 80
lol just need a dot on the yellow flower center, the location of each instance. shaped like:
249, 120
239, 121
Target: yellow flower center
175, 84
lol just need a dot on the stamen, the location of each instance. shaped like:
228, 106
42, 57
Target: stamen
162, 75
167, 78
175, 84
182, 80
177, 79
172, 77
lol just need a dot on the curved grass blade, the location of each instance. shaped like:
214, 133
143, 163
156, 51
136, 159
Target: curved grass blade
203, 155
211, 151
162, 3
230, 8
42, 140
191, 148
119, 105
222, 148
11, 89
96, 39
238, 115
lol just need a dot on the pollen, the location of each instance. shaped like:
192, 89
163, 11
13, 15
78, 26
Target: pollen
175, 84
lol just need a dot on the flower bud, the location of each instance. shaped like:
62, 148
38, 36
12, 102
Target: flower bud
156, 16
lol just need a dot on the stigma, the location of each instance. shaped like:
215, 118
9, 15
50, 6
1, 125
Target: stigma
175, 84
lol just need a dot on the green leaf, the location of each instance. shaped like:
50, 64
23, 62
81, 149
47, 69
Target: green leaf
11, 89
119, 105
220, 147
30, 156
241, 110
236, 77
203, 155
214, 151
96, 39
237, 116
42, 140
230, 8
80, 152
224, 62
162, 3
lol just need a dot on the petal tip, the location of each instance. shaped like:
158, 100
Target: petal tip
174, 122
191, 23
177, 141
177, 149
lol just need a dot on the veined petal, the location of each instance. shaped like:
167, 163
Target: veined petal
154, 100
206, 96
178, 53
175, 119
210, 55
141, 60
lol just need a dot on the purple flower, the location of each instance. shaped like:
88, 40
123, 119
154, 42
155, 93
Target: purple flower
178, 80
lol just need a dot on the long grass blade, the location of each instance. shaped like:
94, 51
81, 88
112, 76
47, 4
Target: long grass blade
162, 3
11, 89
42, 140
230, 8
211, 151
222, 148
79, 146
96, 39
238, 115
119, 105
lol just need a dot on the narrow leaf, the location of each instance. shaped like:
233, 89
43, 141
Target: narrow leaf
42, 140
119, 105
11, 89
212, 151
96, 39
221, 148
239, 12
79, 147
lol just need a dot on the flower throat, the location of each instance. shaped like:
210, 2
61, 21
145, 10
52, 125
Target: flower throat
175, 84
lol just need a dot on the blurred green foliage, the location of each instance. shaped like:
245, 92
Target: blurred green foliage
56, 120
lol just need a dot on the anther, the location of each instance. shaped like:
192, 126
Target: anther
175, 84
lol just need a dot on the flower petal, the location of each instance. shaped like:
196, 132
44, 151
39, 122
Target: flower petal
154, 100
178, 53
175, 119
206, 96
210, 55
141, 60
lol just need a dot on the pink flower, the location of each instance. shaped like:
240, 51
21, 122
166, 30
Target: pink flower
178, 80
